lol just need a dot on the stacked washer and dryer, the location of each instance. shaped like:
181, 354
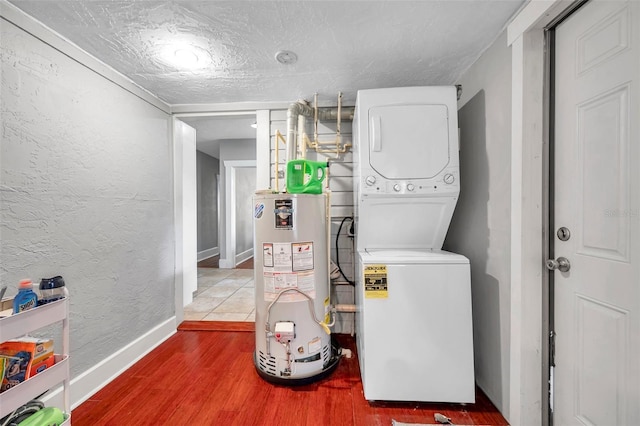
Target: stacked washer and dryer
413, 323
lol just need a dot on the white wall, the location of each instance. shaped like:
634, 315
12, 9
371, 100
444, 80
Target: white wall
86, 192
207, 170
480, 228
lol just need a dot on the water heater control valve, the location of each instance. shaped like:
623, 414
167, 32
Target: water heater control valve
284, 331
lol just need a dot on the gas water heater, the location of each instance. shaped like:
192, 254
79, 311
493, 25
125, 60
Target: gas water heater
293, 339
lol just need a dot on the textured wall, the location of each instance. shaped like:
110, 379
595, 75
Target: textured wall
86, 192
480, 228
207, 169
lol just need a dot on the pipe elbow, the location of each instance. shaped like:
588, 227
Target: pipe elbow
299, 107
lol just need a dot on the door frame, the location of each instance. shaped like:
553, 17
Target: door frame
231, 167
178, 172
530, 120
185, 204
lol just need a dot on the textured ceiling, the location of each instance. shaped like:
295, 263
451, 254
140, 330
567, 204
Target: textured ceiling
341, 45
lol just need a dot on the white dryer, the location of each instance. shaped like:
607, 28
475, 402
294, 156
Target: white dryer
413, 326
406, 170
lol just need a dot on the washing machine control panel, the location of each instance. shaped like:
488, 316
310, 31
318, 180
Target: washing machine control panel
449, 178
370, 180
445, 183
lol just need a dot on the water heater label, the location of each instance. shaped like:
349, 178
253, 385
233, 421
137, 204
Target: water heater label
274, 282
288, 265
327, 311
283, 212
258, 209
375, 282
315, 345
302, 256
281, 257
267, 255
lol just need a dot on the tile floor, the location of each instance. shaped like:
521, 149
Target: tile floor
223, 295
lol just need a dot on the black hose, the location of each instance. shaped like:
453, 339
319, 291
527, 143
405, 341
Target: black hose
337, 251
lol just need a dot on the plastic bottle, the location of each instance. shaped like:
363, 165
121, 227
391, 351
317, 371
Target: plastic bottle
305, 177
26, 297
51, 289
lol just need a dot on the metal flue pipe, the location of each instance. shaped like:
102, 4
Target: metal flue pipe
295, 109
302, 108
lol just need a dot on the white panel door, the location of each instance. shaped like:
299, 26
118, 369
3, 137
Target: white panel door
597, 198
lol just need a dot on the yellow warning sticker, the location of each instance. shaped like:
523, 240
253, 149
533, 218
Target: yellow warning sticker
327, 314
375, 282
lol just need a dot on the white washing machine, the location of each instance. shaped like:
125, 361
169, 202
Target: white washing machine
415, 341
414, 326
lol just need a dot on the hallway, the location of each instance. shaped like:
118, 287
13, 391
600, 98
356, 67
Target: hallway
223, 295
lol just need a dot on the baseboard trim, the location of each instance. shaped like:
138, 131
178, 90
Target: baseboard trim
95, 378
247, 254
206, 254
217, 326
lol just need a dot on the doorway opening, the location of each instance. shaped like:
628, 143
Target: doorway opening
225, 151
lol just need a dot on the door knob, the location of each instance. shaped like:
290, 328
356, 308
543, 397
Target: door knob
562, 264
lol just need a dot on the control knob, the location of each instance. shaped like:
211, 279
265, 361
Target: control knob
449, 178
396, 187
410, 187
370, 180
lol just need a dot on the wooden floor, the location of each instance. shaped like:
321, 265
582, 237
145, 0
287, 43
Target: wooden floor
208, 378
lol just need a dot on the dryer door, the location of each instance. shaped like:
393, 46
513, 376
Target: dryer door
409, 141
